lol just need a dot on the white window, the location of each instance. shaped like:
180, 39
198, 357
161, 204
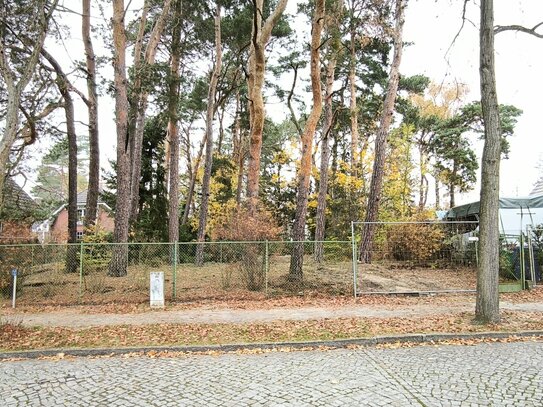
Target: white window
79, 236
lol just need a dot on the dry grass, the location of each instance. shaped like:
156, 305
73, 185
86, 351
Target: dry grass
50, 285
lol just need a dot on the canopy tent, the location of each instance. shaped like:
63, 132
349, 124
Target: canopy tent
515, 213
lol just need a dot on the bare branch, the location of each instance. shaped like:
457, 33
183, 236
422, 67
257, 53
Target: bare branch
532, 31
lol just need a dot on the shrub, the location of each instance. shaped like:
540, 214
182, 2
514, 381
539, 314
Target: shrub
242, 226
415, 242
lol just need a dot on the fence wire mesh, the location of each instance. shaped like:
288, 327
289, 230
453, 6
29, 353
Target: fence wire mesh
535, 254
100, 273
416, 256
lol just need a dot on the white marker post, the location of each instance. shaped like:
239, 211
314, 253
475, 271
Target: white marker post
475, 240
14, 274
156, 289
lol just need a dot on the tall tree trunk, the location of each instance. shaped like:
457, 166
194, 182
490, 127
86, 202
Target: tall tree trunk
193, 174
451, 195
139, 100
173, 131
209, 137
71, 255
14, 87
376, 185
220, 113
238, 153
325, 159
487, 304
353, 109
438, 200
119, 258
261, 34
64, 87
91, 205
423, 181
304, 174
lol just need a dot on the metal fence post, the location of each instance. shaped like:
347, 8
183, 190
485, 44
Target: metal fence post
266, 267
80, 272
355, 277
174, 288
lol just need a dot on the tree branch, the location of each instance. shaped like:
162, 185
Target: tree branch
532, 31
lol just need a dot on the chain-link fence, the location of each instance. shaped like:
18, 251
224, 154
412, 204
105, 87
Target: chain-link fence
120, 273
535, 254
415, 256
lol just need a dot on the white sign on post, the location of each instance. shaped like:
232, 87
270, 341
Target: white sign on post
14, 273
157, 289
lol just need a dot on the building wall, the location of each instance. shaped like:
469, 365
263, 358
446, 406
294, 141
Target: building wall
59, 229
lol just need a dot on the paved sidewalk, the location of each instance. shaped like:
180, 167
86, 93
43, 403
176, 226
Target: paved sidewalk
75, 319
491, 374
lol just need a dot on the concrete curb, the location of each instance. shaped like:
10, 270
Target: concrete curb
334, 344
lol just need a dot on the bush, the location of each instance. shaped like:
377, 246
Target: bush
242, 226
415, 242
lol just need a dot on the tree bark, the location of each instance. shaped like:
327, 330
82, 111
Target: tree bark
119, 259
376, 185
239, 150
14, 87
261, 35
173, 131
452, 203
423, 182
353, 109
64, 86
487, 302
209, 138
139, 100
438, 200
93, 190
193, 173
325, 159
304, 174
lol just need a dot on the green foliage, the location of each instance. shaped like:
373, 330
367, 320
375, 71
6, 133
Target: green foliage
456, 161
414, 84
470, 118
51, 187
396, 202
507, 269
152, 224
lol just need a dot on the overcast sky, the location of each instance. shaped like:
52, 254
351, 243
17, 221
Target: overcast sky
432, 25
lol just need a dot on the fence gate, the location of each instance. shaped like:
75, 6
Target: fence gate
414, 257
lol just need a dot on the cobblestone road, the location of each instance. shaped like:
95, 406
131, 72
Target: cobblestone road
483, 375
